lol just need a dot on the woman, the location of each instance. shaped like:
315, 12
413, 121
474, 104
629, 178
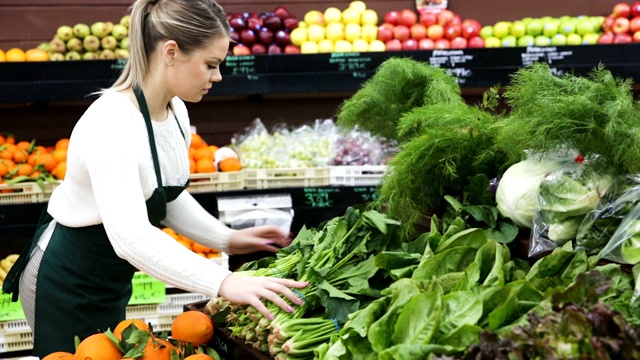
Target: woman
127, 168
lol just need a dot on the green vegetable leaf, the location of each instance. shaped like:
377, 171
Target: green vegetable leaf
448, 261
419, 321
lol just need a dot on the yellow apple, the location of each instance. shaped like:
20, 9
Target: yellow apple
309, 47
350, 16
314, 17
332, 15
377, 45
302, 24
334, 32
369, 32
352, 32
298, 36
343, 46
325, 46
358, 6
369, 17
315, 32
360, 45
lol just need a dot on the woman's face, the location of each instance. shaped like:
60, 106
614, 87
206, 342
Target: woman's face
193, 75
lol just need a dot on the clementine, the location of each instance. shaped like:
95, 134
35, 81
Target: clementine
47, 160
230, 164
205, 165
138, 323
192, 326
62, 144
59, 355
16, 55
3, 57
203, 152
97, 347
197, 141
198, 357
60, 171
36, 55
158, 349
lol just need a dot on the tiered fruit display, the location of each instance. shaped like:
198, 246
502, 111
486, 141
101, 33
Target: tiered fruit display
19, 55
333, 30
404, 30
101, 40
263, 33
622, 26
545, 31
23, 160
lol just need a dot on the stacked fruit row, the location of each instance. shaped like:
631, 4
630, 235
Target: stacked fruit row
197, 248
262, 33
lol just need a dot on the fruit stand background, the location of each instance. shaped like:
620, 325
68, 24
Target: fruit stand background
26, 23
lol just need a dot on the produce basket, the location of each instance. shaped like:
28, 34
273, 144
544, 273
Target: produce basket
284, 178
365, 175
216, 182
21, 193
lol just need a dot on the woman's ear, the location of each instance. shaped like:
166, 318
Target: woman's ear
169, 51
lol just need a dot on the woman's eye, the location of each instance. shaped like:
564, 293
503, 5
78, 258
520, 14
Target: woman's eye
212, 67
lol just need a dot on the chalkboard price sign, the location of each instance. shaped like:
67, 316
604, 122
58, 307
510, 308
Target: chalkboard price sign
366, 193
243, 66
320, 197
355, 63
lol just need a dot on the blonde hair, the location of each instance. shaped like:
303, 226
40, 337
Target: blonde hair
192, 24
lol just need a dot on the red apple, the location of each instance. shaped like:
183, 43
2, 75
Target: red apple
444, 17
391, 17
635, 9
401, 32
407, 17
273, 22
634, 24
281, 12
459, 43
254, 23
418, 31
235, 36
636, 37
247, 37
393, 45
620, 25
442, 44
607, 24
623, 38
428, 18
291, 49
452, 31
385, 33
274, 49
470, 28
606, 38
282, 38
291, 22
456, 19
435, 32
258, 49
266, 36
237, 22
241, 49
410, 44
621, 10
426, 44
475, 42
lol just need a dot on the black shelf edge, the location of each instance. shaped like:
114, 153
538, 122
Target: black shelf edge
58, 81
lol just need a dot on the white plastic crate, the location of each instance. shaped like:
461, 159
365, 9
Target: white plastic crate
21, 193
159, 322
14, 326
216, 182
49, 187
365, 175
284, 178
174, 305
16, 341
223, 260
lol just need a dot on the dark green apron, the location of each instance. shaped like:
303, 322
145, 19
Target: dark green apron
83, 287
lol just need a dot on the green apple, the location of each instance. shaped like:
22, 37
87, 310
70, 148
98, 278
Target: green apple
550, 28
598, 21
590, 39
518, 29
526, 40
559, 40
509, 41
567, 27
501, 29
526, 20
492, 42
585, 26
486, 31
542, 40
535, 27
574, 39
565, 18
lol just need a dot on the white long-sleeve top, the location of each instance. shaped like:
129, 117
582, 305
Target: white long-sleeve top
110, 175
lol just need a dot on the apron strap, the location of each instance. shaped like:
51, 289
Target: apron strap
152, 141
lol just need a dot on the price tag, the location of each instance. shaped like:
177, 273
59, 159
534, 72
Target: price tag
366, 193
357, 64
454, 62
10, 310
242, 66
147, 290
320, 197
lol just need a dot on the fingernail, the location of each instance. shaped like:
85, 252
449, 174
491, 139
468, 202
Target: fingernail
305, 283
289, 309
270, 316
268, 242
299, 301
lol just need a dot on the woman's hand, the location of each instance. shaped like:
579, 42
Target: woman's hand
259, 238
251, 290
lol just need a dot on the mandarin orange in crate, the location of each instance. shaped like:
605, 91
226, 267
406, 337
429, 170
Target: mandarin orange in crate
212, 168
215, 255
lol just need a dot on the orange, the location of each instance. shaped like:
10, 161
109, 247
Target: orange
197, 141
60, 154
213, 148
97, 347
198, 357
20, 156
16, 55
35, 174
36, 55
203, 152
10, 139
158, 349
230, 164
59, 355
60, 170
24, 169
192, 166
62, 144
4, 191
141, 325
24, 145
205, 165
47, 160
3, 57
6, 154
192, 326
4, 169
2, 139
199, 248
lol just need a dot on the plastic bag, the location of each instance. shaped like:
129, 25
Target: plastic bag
360, 147
566, 196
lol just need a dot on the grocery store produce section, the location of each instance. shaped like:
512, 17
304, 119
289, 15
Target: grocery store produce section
496, 156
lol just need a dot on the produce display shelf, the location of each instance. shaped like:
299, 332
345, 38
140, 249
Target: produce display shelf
22, 193
286, 178
216, 182
18, 341
365, 175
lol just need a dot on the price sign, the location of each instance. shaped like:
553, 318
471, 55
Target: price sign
320, 197
10, 310
242, 66
366, 193
147, 290
355, 63
455, 63
118, 64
